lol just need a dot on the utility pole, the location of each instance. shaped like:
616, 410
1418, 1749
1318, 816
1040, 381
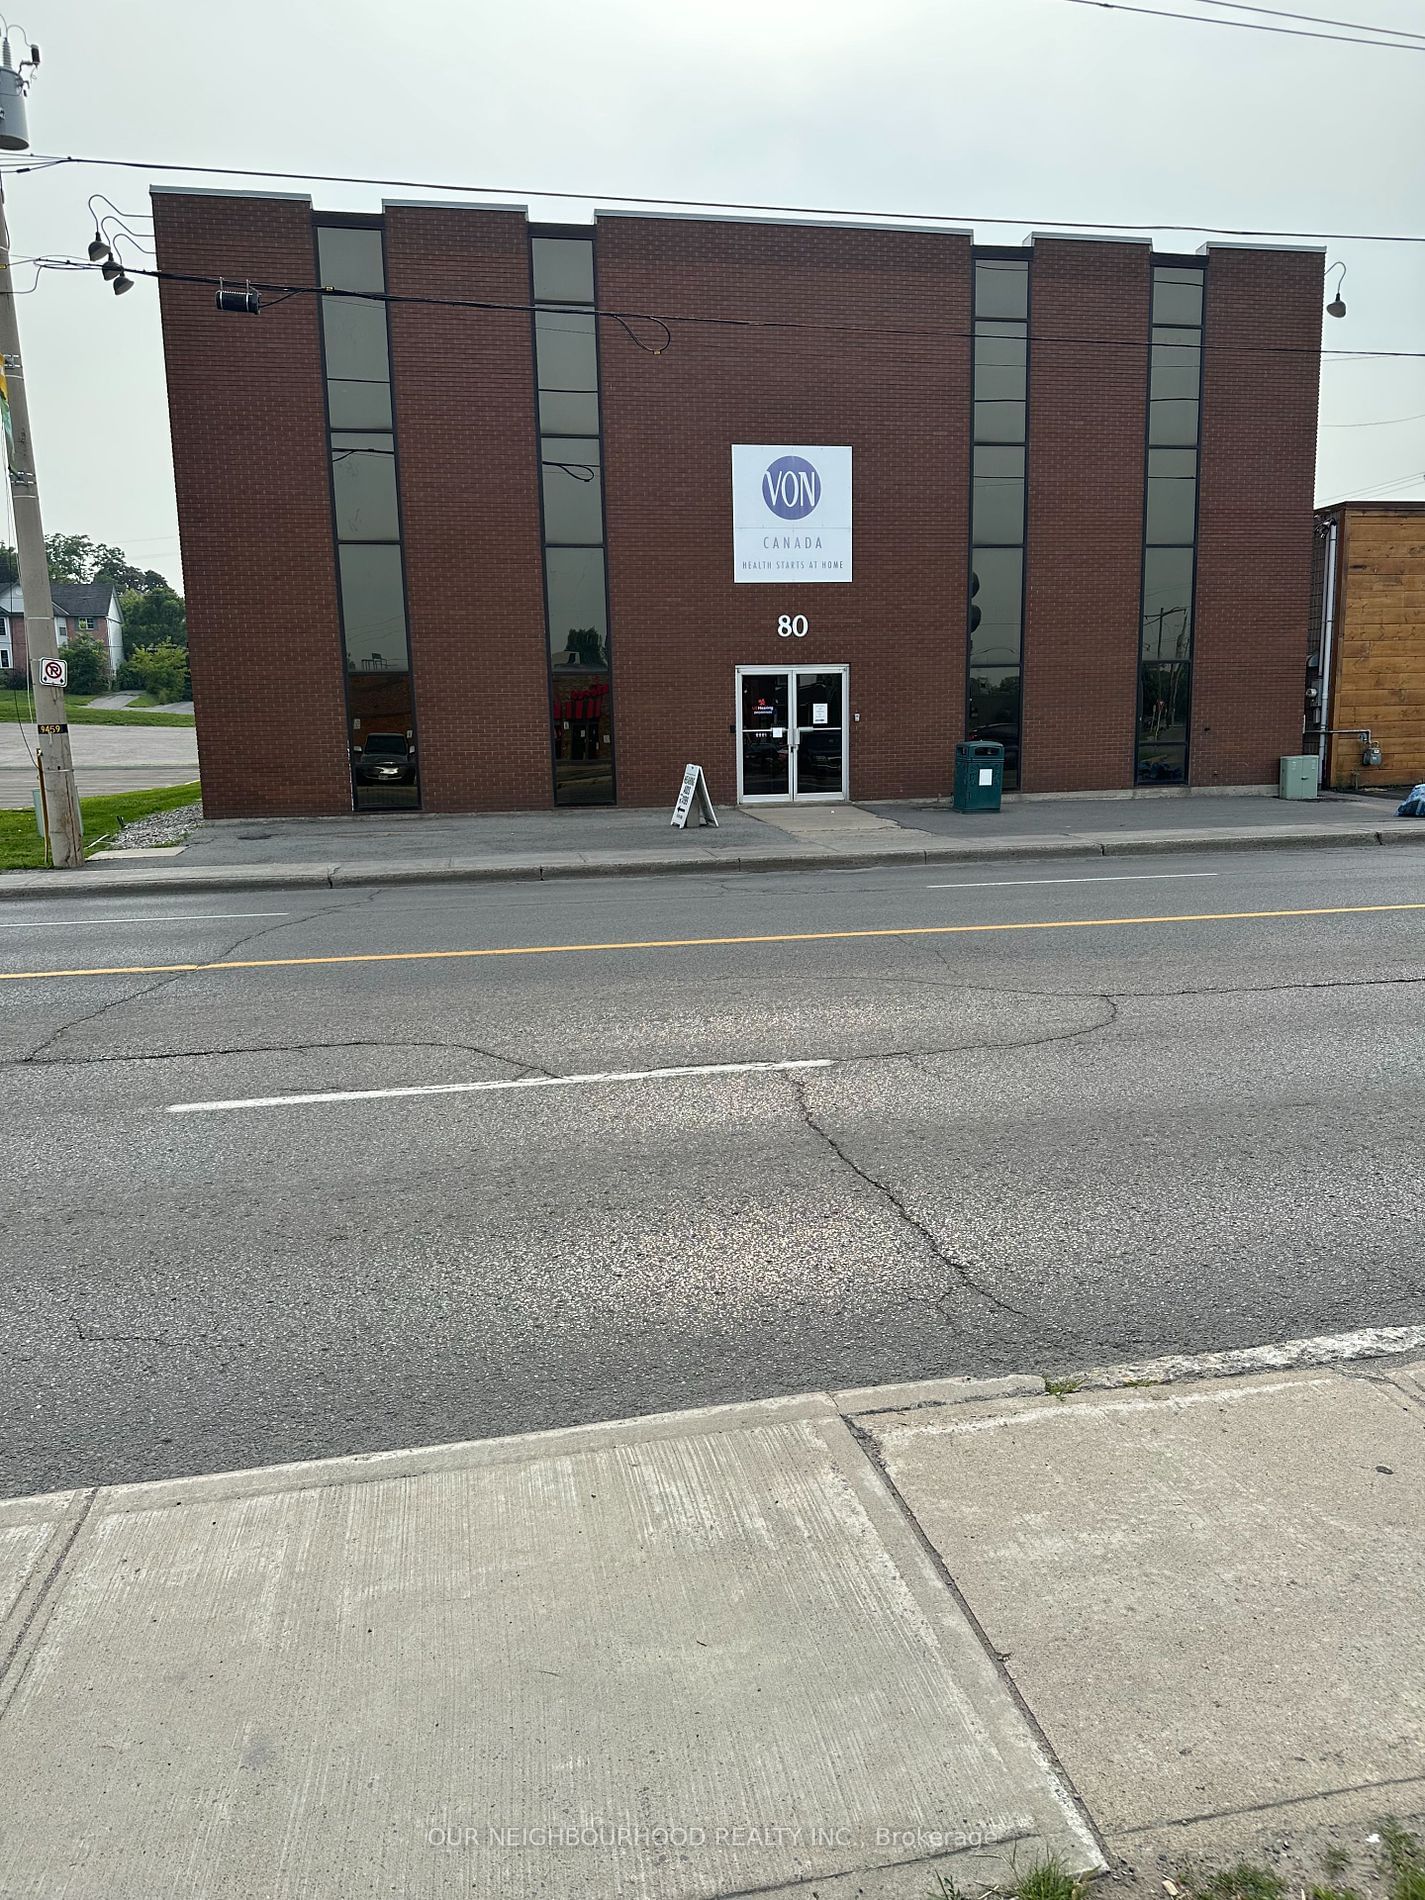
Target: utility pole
59, 803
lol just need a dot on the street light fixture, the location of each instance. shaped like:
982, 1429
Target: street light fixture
1337, 305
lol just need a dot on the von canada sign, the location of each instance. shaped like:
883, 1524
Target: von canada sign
791, 513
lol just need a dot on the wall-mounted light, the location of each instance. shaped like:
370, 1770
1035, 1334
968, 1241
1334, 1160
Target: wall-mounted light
1337, 305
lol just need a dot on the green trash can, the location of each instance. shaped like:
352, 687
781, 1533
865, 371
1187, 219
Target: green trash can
979, 775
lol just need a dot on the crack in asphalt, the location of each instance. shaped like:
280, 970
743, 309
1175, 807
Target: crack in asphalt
962, 1274
134, 996
917, 1057
36, 1057
519, 1063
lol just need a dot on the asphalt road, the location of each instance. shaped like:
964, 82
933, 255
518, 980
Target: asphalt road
106, 759
1031, 1146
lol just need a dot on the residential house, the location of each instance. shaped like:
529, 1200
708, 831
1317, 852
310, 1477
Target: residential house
91, 608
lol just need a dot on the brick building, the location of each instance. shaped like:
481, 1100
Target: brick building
543, 512
1367, 650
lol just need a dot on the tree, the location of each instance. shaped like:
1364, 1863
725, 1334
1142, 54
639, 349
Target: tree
9, 565
160, 670
113, 565
70, 557
88, 664
153, 618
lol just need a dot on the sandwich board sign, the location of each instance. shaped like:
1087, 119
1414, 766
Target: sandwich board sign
695, 786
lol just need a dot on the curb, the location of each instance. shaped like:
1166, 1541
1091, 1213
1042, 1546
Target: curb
1291, 1355
176, 877
850, 1405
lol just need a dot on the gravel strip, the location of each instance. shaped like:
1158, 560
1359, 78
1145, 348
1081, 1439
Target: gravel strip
160, 827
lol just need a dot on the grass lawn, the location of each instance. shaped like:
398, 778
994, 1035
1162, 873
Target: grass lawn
23, 849
15, 709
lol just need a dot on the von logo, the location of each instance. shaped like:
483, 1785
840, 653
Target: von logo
791, 487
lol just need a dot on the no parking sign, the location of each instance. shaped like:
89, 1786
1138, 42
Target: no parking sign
54, 673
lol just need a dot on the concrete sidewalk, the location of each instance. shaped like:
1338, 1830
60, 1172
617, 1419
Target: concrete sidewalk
827, 1647
411, 848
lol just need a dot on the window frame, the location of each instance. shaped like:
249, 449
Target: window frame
1169, 262
1015, 330
338, 220
585, 234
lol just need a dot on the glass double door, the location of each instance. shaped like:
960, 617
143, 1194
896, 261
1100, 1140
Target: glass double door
791, 732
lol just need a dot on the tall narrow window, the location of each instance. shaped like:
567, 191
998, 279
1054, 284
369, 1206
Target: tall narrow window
997, 491
367, 519
571, 477
1170, 525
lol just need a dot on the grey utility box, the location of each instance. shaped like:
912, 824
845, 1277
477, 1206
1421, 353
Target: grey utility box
1300, 776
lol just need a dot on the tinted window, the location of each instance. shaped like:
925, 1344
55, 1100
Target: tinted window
1001, 345
565, 350
999, 421
1167, 603
1163, 704
568, 412
1175, 360
563, 270
1162, 764
367, 516
1172, 419
1001, 288
1172, 501
364, 488
575, 578
350, 258
994, 701
573, 493
1000, 382
1165, 642
1177, 296
373, 608
997, 499
358, 372
996, 591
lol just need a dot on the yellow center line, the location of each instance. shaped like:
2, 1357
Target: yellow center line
694, 943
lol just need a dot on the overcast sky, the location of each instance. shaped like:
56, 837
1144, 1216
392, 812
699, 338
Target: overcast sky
1020, 111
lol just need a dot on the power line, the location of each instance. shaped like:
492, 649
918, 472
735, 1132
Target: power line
1280, 13
714, 204
1361, 494
1247, 26
665, 323
1384, 422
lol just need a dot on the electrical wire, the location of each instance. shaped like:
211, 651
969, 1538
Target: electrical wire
713, 204
1248, 26
1362, 494
626, 318
1280, 13
1384, 422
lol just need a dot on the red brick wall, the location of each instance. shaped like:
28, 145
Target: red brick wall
1254, 512
678, 624
254, 501
1084, 550
254, 509
463, 391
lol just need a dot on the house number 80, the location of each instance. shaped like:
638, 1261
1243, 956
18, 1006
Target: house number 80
789, 624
